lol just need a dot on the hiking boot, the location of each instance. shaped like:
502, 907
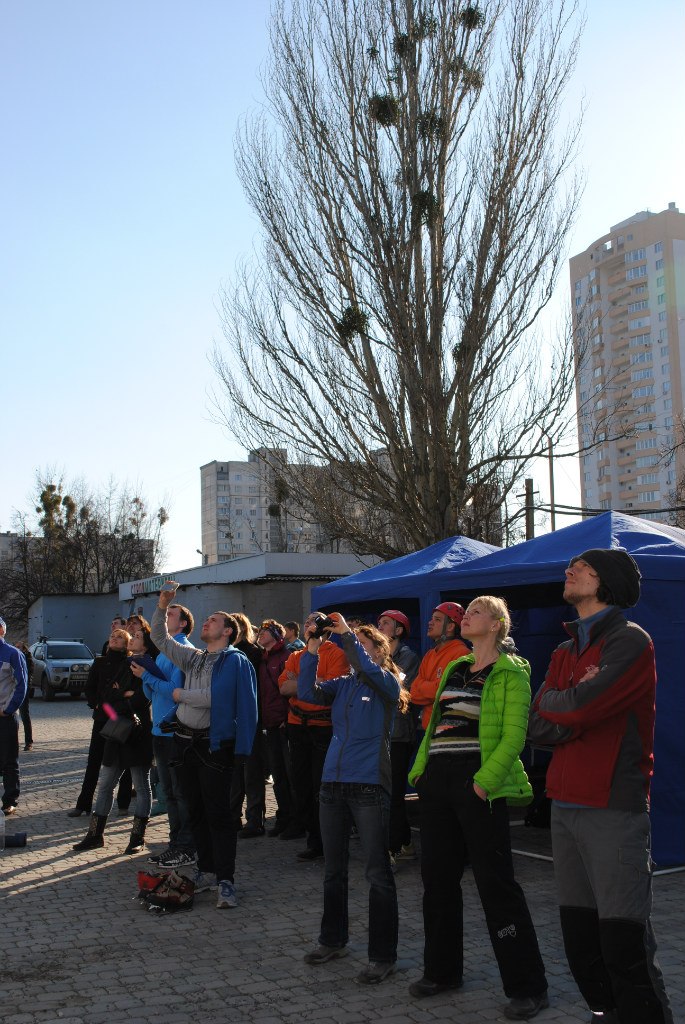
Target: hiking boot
251, 831
374, 973
93, 838
322, 954
292, 831
526, 1007
136, 843
424, 987
227, 898
309, 854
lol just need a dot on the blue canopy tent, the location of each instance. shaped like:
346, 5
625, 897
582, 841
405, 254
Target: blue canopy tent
530, 577
406, 583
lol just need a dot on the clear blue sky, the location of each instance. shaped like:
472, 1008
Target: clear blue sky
122, 215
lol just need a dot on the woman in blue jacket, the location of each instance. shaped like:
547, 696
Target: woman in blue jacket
355, 789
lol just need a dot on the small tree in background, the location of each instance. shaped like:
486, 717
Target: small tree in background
79, 541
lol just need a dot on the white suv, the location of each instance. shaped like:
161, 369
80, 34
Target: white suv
60, 666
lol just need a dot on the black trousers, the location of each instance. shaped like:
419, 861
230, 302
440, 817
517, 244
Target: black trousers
308, 748
96, 751
25, 712
248, 785
400, 829
452, 818
205, 779
278, 762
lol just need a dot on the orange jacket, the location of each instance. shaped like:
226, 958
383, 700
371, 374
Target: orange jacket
433, 664
332, 663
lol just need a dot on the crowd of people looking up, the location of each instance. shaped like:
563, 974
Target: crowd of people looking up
339, 719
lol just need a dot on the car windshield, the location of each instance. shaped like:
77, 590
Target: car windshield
66, 651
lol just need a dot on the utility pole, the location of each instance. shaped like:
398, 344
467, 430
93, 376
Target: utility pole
530, 511
550, 457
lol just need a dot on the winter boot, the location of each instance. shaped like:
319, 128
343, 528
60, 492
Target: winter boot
136, 843
94, 836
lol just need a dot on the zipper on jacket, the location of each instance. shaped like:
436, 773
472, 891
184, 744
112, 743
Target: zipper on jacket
347, 732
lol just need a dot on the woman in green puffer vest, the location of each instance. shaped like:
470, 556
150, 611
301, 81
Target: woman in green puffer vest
466, 771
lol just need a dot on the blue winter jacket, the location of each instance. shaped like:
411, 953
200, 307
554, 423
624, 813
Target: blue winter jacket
159, 690
363, 709
13, 678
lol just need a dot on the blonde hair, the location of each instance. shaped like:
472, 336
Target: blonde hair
382, 645
497, 608
122, 632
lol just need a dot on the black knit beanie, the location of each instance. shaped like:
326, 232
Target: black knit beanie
617, 571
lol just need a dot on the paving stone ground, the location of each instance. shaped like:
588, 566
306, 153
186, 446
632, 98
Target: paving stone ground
77, 948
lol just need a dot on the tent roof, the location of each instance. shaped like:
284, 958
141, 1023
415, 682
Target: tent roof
407, 576
659, 550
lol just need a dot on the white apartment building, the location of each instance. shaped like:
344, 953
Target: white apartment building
244, 513
628, 303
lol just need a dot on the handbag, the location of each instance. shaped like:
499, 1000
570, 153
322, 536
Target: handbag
117, 729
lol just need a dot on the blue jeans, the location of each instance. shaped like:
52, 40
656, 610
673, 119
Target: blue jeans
109, 777
180, 834
368, 806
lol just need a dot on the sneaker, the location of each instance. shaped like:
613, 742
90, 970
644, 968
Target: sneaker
203, 880
177, 859
157, 858
406, 853
76, 812
525, 1008
374, 973
28, 746
123, 811
227, 898
10, 809
322, 954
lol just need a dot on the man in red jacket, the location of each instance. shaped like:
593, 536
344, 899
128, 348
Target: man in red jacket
596, 712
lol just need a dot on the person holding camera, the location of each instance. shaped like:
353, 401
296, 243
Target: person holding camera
355, 789
309, 735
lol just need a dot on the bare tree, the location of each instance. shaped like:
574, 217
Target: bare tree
78, 541
415, 192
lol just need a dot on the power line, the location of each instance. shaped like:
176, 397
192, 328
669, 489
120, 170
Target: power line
575, 510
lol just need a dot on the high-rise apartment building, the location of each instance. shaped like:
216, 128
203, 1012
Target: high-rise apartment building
628, 302
246, 510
